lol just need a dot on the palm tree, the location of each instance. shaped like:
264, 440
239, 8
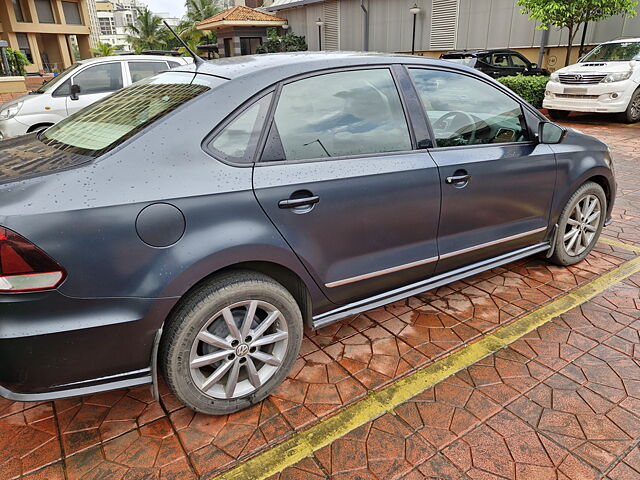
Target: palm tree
103, 50
146, 32
198, 10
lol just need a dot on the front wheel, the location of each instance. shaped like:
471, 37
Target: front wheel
580, 224
558, 114
231, 342
632, 113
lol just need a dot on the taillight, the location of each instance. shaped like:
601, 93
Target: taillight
24, 267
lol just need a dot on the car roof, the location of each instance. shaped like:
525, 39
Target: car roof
124, 58
287, 64
480, 51
624, 40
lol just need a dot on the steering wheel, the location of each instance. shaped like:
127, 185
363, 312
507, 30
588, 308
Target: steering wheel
464, 119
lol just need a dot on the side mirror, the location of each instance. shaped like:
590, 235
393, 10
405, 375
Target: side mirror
550, 133
534, 65
75, 92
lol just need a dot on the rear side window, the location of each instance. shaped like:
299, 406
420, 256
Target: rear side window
467, 111
339, 114
141, 70
236, 142
108, 122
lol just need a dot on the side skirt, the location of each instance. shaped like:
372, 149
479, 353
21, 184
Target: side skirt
401, 293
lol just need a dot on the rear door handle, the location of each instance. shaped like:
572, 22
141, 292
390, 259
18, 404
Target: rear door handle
298, 202
457, 179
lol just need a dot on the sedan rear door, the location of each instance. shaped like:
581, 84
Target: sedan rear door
342, 181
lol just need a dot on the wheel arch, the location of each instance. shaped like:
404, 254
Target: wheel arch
36, 126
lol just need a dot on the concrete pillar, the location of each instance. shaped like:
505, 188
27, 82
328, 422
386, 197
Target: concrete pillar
63, 46
35, 51
84, 46
7, 17
31, 5
58, 13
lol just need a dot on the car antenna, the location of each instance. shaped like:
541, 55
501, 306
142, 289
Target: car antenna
196, 59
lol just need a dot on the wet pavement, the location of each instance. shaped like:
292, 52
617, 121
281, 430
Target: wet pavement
561, 402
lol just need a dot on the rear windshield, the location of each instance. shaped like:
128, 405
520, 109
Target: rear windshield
108, 122
614, 52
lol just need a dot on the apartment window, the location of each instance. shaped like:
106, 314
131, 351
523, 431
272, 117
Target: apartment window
71, 13
45, 12
17, 8
23, 45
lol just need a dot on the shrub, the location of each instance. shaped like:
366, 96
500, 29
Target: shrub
17, 61
531, 88
289, 42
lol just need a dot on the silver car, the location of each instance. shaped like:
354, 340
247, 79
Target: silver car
80, 85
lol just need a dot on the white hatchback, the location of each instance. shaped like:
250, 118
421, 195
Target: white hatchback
606, 80
80, 85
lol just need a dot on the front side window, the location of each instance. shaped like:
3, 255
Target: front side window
99, 79
236, 142
500, 60
467, 111
340, 114
110, 121
142, 70
516, 61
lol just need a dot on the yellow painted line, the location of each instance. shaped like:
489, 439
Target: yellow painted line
375, 404
617, 243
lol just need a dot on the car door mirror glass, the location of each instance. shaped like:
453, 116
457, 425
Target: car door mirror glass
74, 92
551, 133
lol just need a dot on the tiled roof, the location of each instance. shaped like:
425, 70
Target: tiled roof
240, 13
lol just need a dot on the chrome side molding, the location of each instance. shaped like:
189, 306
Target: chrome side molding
401, 293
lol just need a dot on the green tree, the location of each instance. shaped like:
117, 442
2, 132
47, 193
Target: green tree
198, 10
103, 50
17, 61
570, 14
147, 32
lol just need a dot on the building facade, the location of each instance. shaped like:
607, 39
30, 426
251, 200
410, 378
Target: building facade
47, 31
441, 25
114, 18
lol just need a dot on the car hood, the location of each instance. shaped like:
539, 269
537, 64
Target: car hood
599, 67
26, 156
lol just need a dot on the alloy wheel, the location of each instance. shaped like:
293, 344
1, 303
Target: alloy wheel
635, 107
238, 349
582, 225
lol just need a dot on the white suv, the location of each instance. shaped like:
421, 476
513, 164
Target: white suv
605, 80
78, 86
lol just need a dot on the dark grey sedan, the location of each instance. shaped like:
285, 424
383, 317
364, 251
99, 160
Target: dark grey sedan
192, 223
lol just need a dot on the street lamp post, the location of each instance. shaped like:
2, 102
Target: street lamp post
319, 23
415, 10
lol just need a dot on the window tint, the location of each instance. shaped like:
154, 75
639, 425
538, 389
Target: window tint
500, 60
338, 114
237, 140
142, 70
516, 61
466, 111
100, 78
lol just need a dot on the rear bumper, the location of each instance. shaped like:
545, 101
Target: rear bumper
53, 346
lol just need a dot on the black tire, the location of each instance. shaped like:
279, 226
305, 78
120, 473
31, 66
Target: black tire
558, 114
632, 113
200, 307
561, 256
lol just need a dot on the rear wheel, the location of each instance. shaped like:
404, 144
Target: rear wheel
580, 224
231, 342
632, 113
558, 114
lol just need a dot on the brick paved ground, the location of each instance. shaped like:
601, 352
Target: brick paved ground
562, 402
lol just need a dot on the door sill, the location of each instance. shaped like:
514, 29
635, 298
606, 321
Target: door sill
401, 293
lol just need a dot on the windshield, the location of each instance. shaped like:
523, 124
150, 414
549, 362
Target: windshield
107, 123
614, 52
48, 85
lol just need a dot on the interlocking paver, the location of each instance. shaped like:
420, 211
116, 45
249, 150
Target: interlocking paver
561, 402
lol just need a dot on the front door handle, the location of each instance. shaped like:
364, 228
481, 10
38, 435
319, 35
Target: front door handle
458, 178
299, 202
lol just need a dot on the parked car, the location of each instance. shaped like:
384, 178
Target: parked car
495, 63
196, 220
606, 80
78, 86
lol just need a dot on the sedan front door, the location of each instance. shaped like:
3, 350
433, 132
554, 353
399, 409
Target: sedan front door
497, 181
342, 182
